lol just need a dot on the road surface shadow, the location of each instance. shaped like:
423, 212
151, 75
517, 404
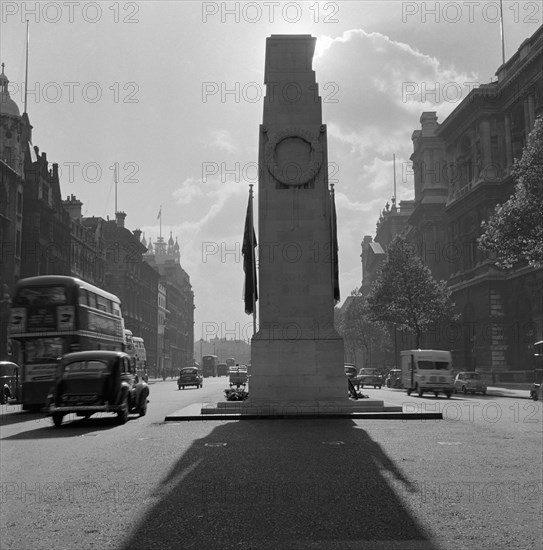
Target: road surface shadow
72, 426
281, 484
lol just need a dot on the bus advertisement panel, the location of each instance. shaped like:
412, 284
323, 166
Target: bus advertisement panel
52, 315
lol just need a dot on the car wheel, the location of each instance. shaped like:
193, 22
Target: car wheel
57, 419
5, 396
419, 391
143, 407
448, 394
464, 390
122, 414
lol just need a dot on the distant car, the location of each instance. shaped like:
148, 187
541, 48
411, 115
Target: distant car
536, 391
88, 382
394, 379
469, 382
189, 376
222, 369
369, 377
9, 382
238, 375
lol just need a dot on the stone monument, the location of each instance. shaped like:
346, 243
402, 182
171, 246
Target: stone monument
297, 355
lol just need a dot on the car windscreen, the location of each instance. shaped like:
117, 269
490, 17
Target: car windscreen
41, 296
38, 350
433, 365
85, 369
8, 369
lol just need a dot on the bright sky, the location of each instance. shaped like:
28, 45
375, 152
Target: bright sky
172, 92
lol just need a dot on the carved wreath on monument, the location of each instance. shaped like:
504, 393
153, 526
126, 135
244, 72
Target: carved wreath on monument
304, 171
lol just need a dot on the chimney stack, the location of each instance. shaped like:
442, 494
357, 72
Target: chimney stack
119, 218
73, 206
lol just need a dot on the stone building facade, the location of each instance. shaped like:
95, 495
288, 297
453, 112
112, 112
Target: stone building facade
462, 169
87, 249
179, 307
130, 278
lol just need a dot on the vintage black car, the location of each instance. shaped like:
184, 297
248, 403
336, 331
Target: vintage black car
189, 376
88, 382
10, 382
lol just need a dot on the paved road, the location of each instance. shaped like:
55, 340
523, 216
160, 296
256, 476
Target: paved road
280, 484
505, 411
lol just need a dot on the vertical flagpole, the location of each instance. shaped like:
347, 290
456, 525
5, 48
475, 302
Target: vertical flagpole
115, 180
26, 64
394, 162
254, 256
502, 33
160, 234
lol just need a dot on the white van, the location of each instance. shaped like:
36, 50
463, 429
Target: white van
427, 370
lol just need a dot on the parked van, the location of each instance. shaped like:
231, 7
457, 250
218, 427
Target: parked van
427, 370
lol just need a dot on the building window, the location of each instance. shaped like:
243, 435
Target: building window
18, 244
7, 155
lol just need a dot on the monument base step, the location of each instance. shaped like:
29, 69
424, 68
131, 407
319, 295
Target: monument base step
297, 408
245, 410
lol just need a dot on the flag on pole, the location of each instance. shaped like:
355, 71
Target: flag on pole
159, 214
334, 245
32, 153
250, 291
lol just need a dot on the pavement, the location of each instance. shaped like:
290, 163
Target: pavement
518, 393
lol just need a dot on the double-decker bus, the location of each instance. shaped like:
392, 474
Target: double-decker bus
51, 315
130, 347
141, 357
209, 365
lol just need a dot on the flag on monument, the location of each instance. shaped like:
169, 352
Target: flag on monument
250, 291
335, 248
159, 214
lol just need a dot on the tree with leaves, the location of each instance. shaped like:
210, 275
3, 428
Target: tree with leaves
405, 293
359, 332
515, 231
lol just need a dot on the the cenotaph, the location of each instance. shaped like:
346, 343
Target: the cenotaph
296, 355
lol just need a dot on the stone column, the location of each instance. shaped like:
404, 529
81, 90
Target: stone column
486, 152
508, 143
297, 354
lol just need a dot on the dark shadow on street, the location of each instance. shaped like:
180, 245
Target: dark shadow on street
72, 426
281, 484
13, 414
